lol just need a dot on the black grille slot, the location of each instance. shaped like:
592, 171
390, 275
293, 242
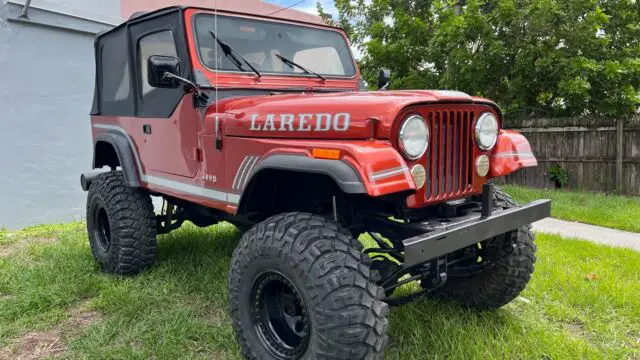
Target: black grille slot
449, 158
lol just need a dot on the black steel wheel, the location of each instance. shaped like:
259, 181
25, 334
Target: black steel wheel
102, 228
121, 225
280, 316
300, 287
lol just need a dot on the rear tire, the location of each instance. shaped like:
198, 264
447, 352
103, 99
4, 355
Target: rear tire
121, 225
317, 274
499, 284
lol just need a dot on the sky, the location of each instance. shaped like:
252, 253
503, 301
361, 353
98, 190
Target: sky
307, 5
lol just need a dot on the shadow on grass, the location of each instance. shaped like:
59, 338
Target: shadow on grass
199, 262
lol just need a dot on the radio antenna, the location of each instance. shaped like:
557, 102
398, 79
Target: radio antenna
215, 26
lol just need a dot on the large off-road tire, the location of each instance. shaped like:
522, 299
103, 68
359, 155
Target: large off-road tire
300, 288
498, 284
121, 225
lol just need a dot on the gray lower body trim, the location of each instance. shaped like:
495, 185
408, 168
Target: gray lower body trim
191, 189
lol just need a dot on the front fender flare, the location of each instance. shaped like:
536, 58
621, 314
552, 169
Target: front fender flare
345, 176
374, 169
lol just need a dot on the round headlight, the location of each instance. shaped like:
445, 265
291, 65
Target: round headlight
413, 138
486, 131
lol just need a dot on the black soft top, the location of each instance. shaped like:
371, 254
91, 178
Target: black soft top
170, 9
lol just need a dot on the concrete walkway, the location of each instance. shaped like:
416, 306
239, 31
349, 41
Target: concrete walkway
596, 234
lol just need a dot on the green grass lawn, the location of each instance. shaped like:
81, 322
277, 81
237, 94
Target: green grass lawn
613, 211
583, 303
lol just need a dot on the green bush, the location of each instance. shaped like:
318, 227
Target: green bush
534, 57
559, 176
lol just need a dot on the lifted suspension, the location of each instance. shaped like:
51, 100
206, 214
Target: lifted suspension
170, 218
388, 261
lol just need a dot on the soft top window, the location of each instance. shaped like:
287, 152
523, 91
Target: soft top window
320, 50
159, 43
116, 92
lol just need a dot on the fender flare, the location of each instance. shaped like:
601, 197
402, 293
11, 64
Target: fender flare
344, 175
126, 156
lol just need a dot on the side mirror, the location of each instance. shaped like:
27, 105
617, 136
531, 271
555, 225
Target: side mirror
384, 76
157, 66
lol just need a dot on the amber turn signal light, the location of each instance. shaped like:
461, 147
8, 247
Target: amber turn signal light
419, 175
482, 165
326, 154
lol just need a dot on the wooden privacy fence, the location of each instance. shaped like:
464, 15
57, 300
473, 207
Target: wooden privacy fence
598, 154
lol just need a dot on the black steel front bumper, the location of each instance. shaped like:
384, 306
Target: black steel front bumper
471, 230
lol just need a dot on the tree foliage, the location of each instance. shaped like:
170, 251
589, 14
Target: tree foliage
534, 57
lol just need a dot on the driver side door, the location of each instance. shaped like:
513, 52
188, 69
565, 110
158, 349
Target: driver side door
167, 119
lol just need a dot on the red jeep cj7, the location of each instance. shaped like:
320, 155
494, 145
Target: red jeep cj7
260, 122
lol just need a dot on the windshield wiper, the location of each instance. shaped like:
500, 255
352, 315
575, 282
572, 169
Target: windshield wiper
292, 64
233, 55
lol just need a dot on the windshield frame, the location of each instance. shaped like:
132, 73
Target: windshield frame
194, 34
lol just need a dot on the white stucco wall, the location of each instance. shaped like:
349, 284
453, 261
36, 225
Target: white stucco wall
106, 11
46, 90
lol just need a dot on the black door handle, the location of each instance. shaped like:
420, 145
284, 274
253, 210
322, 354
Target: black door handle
146, 129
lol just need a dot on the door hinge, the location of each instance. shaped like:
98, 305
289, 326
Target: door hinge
195, 154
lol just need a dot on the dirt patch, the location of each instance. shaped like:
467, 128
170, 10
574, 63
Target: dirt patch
579, 329
634, 339
53, 342
35, 345
576, 328
137, 345
13, 248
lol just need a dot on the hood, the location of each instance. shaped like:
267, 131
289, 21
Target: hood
348, 115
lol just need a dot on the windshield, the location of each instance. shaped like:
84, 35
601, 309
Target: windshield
260, 42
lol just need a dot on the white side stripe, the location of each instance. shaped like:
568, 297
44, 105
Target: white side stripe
171, 184
387, 173
514, 154
241, 172
240, 168
243, 181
